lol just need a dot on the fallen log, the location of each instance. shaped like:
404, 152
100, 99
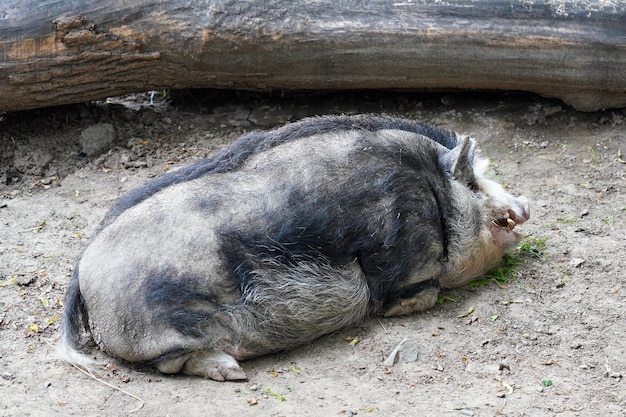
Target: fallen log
58, 52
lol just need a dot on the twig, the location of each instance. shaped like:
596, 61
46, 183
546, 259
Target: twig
381, 324
90, 374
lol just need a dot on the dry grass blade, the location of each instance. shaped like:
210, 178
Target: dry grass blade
90, 374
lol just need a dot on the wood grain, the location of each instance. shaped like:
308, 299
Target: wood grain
58, 52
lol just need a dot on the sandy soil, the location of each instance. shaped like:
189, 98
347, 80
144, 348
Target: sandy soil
550, 342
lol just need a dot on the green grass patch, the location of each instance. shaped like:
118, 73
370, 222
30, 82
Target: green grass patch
532, 247
443, 298
500, 275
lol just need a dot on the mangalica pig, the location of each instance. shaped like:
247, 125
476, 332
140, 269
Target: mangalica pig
285, 236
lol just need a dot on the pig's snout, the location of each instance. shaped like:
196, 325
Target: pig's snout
517, 213
524, 210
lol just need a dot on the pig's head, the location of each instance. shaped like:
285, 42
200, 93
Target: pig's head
488, 215
505, 212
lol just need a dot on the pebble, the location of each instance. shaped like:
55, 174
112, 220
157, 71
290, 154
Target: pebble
33, 162
25, 280
97, 139
148, 117
135, 164
549, 111
576, 262
406, 351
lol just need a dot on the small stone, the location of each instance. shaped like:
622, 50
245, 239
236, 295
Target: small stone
148, 117
393, 357
135, 164
549, 111
254, 387
406, 351
32, 161
576, 262
25, 280
97, 138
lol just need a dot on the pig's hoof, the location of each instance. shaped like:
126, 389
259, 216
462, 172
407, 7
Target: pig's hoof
422, 301
221, 373
216, 365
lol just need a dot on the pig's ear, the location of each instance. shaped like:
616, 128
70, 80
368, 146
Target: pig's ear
459, 162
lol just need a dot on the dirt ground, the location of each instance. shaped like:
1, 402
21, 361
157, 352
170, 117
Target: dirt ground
549, 342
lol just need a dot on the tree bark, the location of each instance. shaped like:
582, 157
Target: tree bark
58, 52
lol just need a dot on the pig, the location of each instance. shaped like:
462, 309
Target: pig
285, 236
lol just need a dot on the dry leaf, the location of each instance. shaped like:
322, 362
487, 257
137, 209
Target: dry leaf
40, 226
353, 341
9, 281
295, 370
467, 313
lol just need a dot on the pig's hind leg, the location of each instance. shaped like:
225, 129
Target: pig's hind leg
283, 306
208, 363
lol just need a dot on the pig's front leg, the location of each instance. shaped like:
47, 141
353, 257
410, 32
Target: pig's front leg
423, 300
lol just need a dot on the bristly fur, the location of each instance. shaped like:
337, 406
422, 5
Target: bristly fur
282, 237
74, 322
251, 143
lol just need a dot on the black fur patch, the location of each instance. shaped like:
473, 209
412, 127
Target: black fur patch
175, 301
389, 216
412, 290
75, 315
251, 143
